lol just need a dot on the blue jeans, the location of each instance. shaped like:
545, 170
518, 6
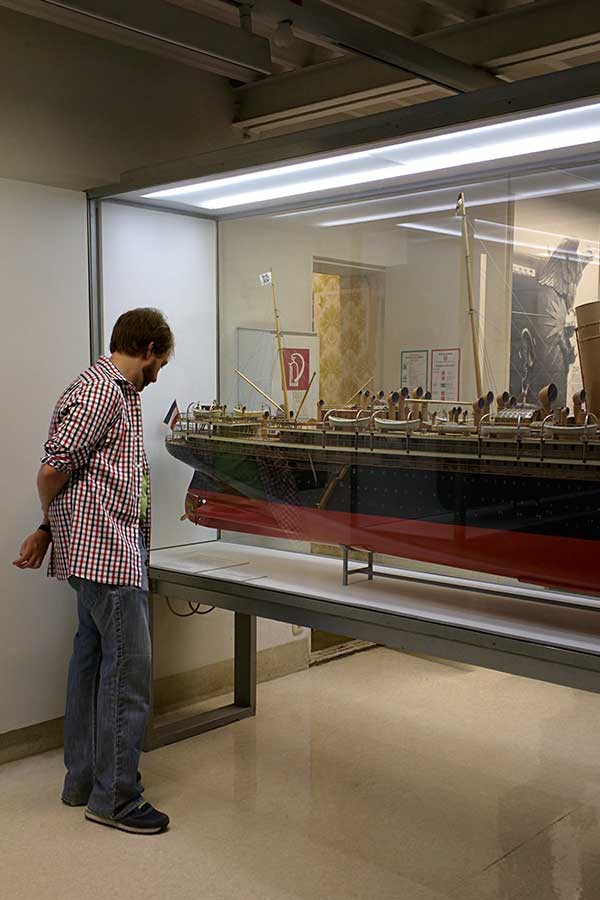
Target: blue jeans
108, 696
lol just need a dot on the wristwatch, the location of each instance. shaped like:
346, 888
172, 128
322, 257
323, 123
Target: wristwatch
45, 527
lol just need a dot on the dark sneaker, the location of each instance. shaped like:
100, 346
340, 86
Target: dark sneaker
144, 819
138, 779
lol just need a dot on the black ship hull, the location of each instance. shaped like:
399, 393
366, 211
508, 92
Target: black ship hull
526, 519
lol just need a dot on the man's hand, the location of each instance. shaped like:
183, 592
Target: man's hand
33, 550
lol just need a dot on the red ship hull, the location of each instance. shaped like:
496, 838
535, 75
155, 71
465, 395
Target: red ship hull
557, 562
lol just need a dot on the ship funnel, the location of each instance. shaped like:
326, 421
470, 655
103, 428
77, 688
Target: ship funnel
478, 408
417, 409
392, 403
548, 395
588, 343
578, 407
502, 400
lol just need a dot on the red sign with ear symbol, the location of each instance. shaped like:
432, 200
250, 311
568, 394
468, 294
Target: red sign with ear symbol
297, 368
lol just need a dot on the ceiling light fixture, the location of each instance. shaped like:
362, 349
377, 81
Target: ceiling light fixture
487, 143
248, 177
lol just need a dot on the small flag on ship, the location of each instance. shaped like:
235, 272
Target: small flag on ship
266, 278
172, 417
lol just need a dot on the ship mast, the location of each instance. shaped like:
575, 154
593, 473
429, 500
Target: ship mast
462, 213
280, 348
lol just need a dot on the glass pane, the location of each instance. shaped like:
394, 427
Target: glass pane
401, 374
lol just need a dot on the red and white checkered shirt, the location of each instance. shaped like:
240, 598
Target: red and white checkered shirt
96, 436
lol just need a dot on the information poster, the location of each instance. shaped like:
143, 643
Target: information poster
414, 369
445, 374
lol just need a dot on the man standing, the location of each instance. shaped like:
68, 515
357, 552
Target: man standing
94, 490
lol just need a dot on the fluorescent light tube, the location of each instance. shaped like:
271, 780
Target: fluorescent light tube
579, 126
498, 233
517, 193
249, 177
301, 187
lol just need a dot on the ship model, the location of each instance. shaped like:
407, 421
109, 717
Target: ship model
494, 485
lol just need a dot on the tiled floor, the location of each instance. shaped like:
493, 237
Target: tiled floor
382, 776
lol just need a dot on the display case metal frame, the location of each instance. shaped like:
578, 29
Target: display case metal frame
247, 601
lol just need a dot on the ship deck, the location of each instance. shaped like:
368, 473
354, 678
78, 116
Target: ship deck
546, 635
531, 452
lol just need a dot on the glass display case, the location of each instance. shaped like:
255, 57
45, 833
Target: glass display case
409, 354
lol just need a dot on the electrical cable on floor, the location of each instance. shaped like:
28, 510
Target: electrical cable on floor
193, 611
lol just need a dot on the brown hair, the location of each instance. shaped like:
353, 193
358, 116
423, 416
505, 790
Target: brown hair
135, 329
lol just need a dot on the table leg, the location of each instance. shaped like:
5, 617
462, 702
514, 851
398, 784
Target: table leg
245, 660
244, 703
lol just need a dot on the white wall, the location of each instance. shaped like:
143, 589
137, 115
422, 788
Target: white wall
422, 309
167, 260
425, 295
427, 306
43, 286
250, 246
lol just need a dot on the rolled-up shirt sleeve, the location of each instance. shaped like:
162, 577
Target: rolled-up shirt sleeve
80, 425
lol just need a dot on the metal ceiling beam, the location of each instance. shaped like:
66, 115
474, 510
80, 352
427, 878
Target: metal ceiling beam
160, 28
376, 42
522, 32
295, 55
294, 96
407, 18
461, 109
526, 32
459, 11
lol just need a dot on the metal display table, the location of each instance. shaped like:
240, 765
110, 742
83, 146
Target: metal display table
549, 636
